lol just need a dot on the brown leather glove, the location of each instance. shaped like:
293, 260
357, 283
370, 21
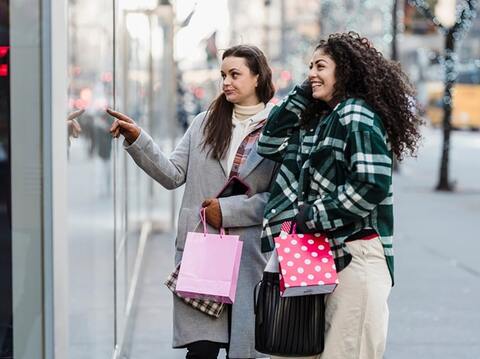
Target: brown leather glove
213, 212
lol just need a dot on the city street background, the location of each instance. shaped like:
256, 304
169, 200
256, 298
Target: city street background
165, 65
158, 61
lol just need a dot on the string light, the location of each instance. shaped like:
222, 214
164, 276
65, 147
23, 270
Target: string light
466, 12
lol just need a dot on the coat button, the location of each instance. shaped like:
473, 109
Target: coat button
273, 211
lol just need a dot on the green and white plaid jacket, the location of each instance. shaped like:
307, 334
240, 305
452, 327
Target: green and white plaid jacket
335, 175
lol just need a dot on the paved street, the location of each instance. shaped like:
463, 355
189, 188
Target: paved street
434, 304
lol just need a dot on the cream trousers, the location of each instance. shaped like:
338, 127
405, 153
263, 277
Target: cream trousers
356, 313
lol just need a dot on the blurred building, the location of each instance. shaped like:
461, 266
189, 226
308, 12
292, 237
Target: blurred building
371, 19
470, 46
421, 48
279, 27
286, 30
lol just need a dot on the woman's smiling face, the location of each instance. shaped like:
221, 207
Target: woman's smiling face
322, 76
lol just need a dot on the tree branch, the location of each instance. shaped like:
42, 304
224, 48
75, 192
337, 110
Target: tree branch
467, 14
425, 10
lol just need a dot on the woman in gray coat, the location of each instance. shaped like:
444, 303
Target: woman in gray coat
219, 143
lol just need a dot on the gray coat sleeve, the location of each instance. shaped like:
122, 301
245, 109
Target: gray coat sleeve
243, 211
171, 171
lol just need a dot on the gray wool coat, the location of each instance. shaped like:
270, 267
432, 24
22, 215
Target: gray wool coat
203, 177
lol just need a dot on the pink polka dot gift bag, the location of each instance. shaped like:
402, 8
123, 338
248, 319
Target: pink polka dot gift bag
306, 264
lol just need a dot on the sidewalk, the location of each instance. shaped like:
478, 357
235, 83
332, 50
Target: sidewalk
434, 306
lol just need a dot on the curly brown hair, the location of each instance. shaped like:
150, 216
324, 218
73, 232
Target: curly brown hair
362, 72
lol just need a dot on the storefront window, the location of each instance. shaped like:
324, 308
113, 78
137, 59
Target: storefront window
111, 63
6, 336
91, 162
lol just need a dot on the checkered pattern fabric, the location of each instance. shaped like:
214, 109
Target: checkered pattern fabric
209, 307
286, 227
335, 175
245, 148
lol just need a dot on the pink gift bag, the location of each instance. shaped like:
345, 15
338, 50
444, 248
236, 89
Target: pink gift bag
210, 265
306, 264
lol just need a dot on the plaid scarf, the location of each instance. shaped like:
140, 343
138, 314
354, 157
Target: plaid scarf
245, 148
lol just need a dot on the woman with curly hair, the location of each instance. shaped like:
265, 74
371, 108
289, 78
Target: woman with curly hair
336, 136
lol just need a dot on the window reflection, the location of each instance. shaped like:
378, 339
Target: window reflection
73, 126
90, 180
109, 197
6, 330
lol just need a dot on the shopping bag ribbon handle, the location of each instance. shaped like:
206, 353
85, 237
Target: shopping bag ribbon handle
294, 227
203, 216
289, 227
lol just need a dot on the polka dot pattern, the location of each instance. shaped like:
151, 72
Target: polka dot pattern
305, 260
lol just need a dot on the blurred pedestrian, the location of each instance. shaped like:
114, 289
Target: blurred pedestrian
335, 137
220, 142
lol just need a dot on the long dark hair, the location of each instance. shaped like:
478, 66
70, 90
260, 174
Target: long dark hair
362, 72
217, 132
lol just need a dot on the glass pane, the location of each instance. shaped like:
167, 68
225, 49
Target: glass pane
91, 162
135, 78
6, 342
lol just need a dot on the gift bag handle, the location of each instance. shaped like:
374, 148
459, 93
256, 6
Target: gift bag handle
204, 221
289, 227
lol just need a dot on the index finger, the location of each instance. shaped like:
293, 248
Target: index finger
119, 115
76, 125
75, 114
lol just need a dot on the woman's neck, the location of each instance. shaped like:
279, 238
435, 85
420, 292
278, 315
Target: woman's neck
243, 112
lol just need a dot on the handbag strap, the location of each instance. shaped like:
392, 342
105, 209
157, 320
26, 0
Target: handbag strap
294, 227
204, 221
255, 296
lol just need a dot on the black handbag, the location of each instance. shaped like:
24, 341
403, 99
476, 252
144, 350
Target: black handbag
287, 326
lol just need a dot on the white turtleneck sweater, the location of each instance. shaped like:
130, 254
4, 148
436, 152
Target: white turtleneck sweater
244, 120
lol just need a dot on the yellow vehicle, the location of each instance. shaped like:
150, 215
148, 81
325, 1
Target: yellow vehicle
466, 102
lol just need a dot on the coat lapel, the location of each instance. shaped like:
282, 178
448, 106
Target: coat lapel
222, 165
252, 161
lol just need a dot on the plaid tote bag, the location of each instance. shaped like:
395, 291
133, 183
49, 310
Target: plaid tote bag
209, 307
